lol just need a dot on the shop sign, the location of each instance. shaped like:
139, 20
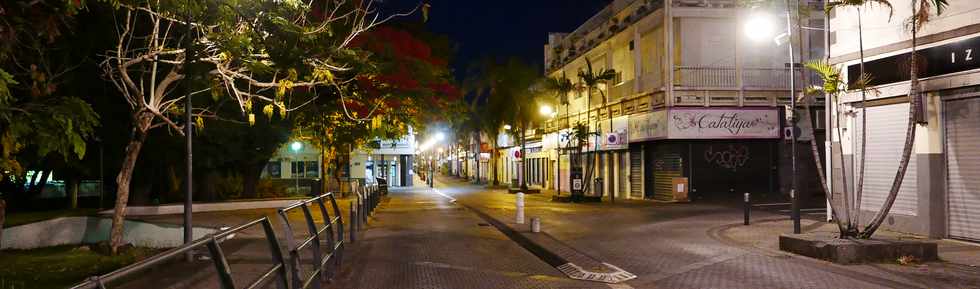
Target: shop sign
647, 126
723, 123
616, 138
948, 58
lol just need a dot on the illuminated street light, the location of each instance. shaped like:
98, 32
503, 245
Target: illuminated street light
546, 110
296, 146
506, 127
759, 27
440, 136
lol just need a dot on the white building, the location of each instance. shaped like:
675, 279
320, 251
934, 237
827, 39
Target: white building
940, 195
693, 98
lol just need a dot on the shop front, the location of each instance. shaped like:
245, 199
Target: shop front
719, 153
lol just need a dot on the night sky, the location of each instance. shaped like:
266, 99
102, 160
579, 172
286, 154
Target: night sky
502, 28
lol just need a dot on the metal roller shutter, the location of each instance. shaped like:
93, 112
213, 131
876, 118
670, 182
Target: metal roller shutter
666, 167
636, 172
886, 136
962, 120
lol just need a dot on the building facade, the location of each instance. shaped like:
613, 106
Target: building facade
694, 102
940, 194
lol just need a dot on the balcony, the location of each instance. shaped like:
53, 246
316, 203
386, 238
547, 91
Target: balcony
720, 78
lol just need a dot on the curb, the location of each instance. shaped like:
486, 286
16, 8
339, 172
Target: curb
573, 271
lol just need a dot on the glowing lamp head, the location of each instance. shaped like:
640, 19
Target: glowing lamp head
440, 136
759, 27
546, 110
296, 146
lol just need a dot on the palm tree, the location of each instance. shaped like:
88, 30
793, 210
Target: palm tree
591, 79
920, 16
834, 86
864, 116
561, 86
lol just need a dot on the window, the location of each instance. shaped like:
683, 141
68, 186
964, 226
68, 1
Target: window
312, 169
298, 169
274, 169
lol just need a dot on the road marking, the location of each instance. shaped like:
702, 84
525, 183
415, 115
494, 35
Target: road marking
576, 272
437, 192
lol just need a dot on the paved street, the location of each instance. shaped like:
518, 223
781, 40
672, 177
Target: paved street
420, 239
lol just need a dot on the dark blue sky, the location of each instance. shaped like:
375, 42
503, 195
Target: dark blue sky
503, 28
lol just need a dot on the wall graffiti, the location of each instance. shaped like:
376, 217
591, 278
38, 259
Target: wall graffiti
731, 157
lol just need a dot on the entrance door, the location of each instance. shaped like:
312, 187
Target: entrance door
962, 120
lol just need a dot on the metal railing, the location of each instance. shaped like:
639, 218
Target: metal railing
320, 258
697, 76
218, 259
287, 273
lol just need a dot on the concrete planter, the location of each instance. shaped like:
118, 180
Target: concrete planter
172, 209
856, 251
87, 230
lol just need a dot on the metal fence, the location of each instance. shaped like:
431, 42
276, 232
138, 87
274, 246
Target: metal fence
325, 242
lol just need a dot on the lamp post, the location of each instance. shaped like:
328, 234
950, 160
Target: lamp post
296, 147
547, 111
758, 28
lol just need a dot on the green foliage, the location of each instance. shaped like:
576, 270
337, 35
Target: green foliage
62, 266
39, 116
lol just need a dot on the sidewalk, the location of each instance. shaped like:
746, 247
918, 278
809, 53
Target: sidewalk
418, 239
693, 245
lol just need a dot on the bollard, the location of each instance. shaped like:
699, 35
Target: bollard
535, 224
747, 204
520, 208
353, 223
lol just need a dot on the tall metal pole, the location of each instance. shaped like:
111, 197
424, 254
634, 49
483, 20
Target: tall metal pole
101, 172
792, 120
189, 135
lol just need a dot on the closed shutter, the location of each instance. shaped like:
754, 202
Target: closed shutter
885, 141
962, 119
666, 167
636, 172
621, 173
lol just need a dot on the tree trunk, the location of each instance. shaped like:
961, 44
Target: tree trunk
250, 180
71, 185
909, 138
3, 218
856, 215
124, 177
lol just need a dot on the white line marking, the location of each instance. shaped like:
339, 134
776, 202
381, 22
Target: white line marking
437, 192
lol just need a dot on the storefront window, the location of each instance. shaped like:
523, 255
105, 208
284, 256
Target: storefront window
298, 169
274, 169
312, 169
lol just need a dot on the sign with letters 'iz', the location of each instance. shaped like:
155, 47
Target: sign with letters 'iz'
948, 58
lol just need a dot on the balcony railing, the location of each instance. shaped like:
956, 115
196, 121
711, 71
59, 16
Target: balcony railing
727, 77
698, 76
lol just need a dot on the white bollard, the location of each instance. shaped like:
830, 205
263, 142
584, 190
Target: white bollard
520, 208
536, 225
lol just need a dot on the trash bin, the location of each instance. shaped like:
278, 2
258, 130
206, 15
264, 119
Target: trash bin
597, 187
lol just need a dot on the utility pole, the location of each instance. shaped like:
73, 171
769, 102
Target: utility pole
189, 135
794, 195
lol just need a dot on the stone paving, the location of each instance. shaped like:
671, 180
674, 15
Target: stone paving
425, 238
696, 245
418, 239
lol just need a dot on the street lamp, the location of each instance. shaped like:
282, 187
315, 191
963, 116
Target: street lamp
758, 28
546, 110
295, 147
506, 127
